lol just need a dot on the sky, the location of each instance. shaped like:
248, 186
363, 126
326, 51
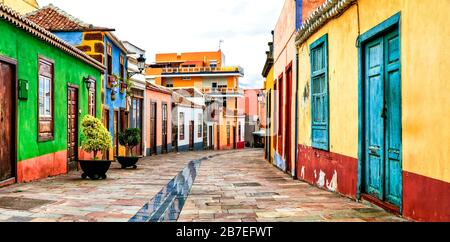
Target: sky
174, 26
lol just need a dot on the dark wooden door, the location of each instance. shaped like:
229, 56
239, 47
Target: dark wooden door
105, 118
218, 137
7, 117
72, 127
234, 138
164, 128
153, 130
191, 135
211, 137
116, 129
287, 137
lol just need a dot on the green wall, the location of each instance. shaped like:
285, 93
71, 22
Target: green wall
25, 49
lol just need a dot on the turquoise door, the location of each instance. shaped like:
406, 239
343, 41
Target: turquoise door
383, 169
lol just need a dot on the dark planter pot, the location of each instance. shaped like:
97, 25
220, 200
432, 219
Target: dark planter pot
95, 169
127, 161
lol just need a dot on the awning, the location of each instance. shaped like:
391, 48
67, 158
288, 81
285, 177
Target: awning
261, 133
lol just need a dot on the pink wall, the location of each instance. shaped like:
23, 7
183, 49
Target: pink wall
251, 101
154, 96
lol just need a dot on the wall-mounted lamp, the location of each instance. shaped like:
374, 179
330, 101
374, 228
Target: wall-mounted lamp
140, 64
90, 82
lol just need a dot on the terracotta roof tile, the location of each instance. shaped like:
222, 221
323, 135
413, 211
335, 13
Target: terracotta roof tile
54, 19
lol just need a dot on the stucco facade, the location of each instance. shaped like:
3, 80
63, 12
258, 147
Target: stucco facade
425, 169
22, 50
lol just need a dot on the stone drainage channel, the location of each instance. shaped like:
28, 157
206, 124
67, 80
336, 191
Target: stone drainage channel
166, 206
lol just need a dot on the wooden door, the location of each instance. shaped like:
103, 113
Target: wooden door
383, 168
218, 137
191, 135
72, 127
7, 120
164, 127
153, 130
105, 119
116, 129
234, 138
211, 137
287, 136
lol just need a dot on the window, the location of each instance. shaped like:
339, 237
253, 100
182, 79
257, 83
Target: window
45, 129
122, 68
181, 126
136, 112
91, 99
169, 82
213, 64
228, 134
109, 58
319, 94
200, 125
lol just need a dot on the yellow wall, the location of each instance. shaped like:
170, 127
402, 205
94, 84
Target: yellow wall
269, 86
21, 6
425, 51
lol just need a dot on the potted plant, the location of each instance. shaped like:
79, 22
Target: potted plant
95, 139
112, 81
113, 95
123, 86
130, 139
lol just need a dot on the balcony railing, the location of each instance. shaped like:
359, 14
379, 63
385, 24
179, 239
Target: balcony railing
223, 92
188, 70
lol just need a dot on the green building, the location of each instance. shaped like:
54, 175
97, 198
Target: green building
46, 87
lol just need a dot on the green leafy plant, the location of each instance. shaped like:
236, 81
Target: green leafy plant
96, 137
130, 139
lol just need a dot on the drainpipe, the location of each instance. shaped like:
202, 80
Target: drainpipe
296, 114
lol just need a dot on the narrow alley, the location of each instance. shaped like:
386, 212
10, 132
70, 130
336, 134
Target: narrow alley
230, 186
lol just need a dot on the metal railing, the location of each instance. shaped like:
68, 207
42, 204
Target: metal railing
223, 91
224, 69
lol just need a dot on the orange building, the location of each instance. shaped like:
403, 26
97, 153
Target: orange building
224, 119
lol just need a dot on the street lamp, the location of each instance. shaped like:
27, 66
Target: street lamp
140, 64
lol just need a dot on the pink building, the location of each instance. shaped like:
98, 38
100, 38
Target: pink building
255, 116
158, 120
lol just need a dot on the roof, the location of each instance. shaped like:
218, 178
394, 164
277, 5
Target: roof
191, 91
21, 22
116, 41
54, 19
181, 100
320, 16
158, 88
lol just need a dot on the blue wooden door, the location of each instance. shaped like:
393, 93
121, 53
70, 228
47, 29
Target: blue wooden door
393, 141
383, 167
374, 120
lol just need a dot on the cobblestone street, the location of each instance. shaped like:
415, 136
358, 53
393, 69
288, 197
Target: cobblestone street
233, 186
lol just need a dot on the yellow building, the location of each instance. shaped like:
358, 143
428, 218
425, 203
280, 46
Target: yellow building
21, 6
269, 85
206, 71
373, 114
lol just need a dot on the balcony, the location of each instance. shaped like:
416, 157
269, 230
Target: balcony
223, 92
203, 71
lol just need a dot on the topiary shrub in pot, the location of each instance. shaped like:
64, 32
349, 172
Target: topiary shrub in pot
130, 139
95, 139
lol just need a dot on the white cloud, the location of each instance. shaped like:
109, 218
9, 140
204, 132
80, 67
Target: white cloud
195, 25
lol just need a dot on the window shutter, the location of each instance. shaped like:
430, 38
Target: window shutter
319, 94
